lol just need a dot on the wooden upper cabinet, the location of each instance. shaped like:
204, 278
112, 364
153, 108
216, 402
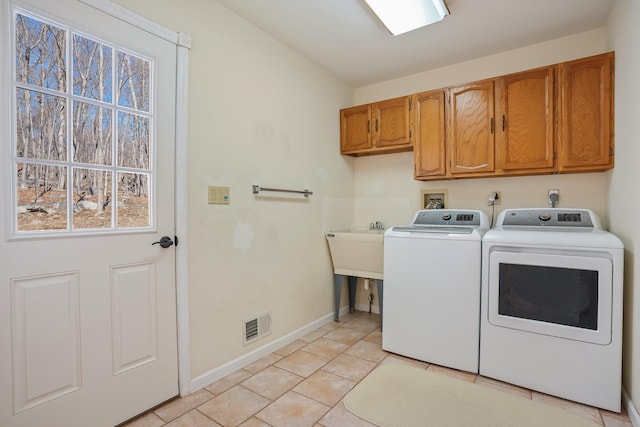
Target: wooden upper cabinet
355, 129
392, 123
471, 130
525, 131
428, 117
557, 118
381, 127
586, 114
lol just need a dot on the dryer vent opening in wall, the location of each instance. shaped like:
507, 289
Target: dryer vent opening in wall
257, 328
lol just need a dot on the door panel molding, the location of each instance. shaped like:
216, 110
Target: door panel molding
134, 317
45, 323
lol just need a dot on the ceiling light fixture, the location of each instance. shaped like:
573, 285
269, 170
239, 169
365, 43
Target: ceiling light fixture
401, 16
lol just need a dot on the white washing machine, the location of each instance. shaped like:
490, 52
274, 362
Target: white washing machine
432, 287
551, 316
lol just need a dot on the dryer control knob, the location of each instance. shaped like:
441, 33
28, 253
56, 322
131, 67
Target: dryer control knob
544, 217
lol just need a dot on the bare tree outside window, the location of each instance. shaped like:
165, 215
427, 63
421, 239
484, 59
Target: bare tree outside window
66, 182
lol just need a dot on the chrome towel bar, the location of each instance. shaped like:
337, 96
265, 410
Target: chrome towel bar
257, 189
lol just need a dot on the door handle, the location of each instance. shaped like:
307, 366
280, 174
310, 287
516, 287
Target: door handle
165, 242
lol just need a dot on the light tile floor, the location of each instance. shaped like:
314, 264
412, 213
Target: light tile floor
304, 382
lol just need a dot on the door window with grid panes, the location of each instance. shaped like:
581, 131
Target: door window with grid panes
82, 140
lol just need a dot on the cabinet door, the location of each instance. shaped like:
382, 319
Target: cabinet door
471, 138
428, 114
525, 125
355, 129
586, 116
391, 122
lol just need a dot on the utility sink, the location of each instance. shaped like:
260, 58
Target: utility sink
357, 252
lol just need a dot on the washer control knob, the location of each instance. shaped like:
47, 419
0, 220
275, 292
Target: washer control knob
446, 217
544, 217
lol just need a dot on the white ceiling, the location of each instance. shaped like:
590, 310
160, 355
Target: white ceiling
346, 38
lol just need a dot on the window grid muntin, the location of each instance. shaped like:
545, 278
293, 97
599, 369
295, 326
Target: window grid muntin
71, 165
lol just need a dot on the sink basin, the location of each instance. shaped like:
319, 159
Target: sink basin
357, 252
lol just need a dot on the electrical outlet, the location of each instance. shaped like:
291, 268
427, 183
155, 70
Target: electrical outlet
495, 198
557, 193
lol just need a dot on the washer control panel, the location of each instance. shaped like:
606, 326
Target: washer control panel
574, 218
448, 217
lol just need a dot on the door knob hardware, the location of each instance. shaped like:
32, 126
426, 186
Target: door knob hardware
165, 242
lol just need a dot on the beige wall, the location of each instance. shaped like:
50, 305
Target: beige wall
384, 186
563, 49
258, 114
623, 201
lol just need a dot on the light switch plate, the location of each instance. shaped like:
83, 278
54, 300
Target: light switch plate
219, 195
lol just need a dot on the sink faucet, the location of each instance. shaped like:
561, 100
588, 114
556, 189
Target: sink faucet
376, 226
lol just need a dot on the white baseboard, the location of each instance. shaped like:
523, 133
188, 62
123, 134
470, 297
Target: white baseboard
222, 371
631, 409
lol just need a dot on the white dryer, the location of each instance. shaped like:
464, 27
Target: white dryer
551, 316
432, 287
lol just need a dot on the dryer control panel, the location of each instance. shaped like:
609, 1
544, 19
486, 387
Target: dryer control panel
573, 218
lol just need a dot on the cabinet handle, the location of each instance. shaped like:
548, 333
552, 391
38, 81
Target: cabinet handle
368, 126
377, 125
492, 124
504, 120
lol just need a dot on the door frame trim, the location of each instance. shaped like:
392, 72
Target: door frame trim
183, 44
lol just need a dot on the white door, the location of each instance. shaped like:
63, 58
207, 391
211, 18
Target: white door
87, 303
